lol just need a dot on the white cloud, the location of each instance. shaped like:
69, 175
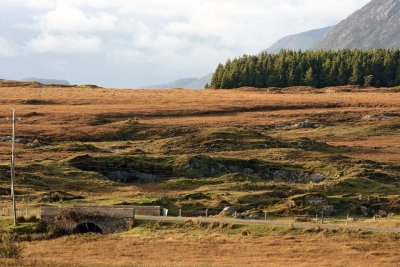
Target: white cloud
244, 26
67, 19
65, 44
256, 24
7, 49
186, 37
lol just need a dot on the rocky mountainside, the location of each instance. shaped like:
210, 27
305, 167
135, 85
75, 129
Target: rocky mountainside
376, 25
301, 41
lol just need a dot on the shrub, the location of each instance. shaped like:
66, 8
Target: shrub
9, 248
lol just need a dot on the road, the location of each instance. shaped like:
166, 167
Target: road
268, 223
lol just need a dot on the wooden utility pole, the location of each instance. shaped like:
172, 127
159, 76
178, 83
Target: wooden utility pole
13, 168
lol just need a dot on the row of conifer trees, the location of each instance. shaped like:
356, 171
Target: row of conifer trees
379, 68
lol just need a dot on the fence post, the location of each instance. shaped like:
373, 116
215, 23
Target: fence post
180, 212
26, 211
322, 219
206, 213
347, 220
235, 214
265, 216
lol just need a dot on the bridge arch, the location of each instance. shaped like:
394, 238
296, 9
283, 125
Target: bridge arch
87, 227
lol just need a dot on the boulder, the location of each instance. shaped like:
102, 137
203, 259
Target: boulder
248, 171
316, 200
255, 216
382, 213
240, 169
329, 210
365, 211
367, 117
318, 178
285, 175
307, 124
36, 143
22, 141
228, 211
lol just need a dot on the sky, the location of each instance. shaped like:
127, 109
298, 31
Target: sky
133, 43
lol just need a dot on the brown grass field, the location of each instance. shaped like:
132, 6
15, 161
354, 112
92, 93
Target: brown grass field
76, 114
358, 133
214, 250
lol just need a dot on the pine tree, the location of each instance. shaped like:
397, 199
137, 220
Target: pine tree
369, 80
309, 78
397, 77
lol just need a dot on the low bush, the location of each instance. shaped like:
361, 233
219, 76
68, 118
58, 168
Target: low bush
9, 248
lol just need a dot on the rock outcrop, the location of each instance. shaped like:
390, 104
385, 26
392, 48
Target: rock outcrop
376, 25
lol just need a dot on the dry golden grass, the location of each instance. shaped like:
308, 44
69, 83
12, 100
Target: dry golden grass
57, 116
212, 250
83, 114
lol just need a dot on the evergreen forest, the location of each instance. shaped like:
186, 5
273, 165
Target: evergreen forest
377, 68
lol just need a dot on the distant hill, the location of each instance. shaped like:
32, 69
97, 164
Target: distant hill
46, 81
302, 41
189, 83
201, 82
376, 25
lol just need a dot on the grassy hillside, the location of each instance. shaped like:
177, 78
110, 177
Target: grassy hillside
282, 151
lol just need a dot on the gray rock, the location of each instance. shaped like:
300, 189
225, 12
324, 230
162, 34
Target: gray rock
365, 211
22, 141
228, 211
285, 175
239, 169
316, 200
368, 117
307, 124
318, 178
376, 25
329, 210
5, 138
382, 213
255, 216
36, 143
248, 171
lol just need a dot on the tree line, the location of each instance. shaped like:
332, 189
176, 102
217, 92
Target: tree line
378, 68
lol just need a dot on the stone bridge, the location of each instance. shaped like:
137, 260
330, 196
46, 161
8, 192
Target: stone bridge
98, 219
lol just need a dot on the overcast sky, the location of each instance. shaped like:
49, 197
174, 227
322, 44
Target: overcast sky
132, 43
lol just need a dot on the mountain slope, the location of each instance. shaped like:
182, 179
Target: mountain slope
376, 25
201, 82
180, 83
189, 83
301, 41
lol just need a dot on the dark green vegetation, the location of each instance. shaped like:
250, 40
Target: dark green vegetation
295, 177
380, 68
9, 248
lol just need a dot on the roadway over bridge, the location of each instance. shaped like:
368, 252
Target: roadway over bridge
99, 219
